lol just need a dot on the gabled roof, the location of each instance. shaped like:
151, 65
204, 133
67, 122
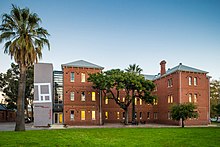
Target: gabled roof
82, 63
149, 77
180, 67
2, 107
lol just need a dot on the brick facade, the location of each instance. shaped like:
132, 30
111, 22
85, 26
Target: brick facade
171, 88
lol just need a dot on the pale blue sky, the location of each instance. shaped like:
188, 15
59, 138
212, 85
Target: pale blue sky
116, 33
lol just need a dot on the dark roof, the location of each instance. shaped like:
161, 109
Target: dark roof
82, 63
2, 107
180, 67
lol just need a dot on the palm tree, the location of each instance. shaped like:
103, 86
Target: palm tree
135, 69
24, 40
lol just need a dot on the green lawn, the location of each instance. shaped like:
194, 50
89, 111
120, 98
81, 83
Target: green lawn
114, 137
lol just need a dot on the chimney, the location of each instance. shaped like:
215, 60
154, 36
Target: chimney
162, 67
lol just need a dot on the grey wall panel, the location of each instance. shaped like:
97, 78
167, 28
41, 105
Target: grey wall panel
42, 114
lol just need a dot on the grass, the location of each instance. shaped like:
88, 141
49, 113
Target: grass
166, 137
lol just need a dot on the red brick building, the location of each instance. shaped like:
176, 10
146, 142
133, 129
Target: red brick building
83, 105
179, 85
81, 101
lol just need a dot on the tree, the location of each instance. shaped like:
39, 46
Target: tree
24, 41
134, 69
214, 96
9, 84
183, 112
114, 83
217, 109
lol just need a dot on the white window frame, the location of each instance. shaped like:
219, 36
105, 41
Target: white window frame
72, 96
43, 95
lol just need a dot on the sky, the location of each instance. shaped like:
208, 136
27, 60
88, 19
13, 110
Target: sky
116, 33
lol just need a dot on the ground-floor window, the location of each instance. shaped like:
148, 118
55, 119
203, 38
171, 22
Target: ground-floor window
93, 115
123, 115
169, 115
140, 115
83, 115
72, 115
148, 115
106, 115
155, 115
118, 115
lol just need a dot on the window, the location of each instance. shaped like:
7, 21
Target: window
140, 101
123, 99
93, 115
155, 101
169, 115
123, 115
135, 101
155, 89
72, 78
83, 77
140, 115
135, 115
155, 115
71, 115
83, 96
168, 99
106, 115
170, 82
190, 80
106, 100
148, 115
83, 115
118, 115
190, 97
93, 96
171, 98
195, 98
72, 96
195, 81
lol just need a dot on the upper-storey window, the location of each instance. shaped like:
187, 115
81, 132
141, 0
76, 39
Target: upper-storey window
195, 81
190, 97
93, 96
72, 77
170, 82
190, 80
83, 77
195, 98
140, 101
106, 100
72, 96
83, 96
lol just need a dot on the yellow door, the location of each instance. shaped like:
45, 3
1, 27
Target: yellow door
60, 118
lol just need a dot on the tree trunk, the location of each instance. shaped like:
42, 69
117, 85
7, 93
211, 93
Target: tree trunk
133, 107
182, 123
126, 116
20, 123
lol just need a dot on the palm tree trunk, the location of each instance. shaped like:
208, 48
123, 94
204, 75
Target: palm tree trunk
20, 123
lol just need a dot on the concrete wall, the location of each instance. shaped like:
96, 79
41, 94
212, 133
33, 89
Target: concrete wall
43, 89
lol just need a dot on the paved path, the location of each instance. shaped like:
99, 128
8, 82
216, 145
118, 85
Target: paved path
10, 126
